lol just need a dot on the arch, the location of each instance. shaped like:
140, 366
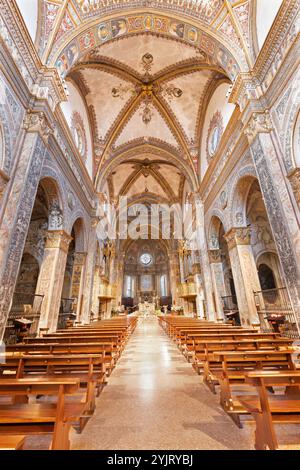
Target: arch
239, 196
218, 47
79, 229
54, 200
214, 227
152, 149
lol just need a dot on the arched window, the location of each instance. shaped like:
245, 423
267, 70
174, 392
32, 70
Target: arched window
163, 286
129, 287
268, 283
266, 277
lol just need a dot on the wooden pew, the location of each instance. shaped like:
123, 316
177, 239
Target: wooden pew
199, 349
229, 369
88, 369
12, 442
269, 410
108, 350
40, 418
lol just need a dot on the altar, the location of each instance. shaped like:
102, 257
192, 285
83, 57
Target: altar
146, 309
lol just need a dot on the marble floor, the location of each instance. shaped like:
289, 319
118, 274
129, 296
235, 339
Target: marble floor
155, 400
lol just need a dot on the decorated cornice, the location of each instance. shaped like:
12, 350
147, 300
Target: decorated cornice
283, 34
42, 82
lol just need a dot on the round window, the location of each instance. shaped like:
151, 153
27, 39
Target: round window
146, 259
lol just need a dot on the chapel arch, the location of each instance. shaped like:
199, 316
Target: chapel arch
30, 293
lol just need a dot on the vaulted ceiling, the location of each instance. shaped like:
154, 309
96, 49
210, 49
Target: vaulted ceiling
146, 70
146, 90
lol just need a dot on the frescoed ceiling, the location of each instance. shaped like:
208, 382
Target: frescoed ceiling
146, 70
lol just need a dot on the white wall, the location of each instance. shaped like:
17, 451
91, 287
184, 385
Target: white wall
266, 11
218, 102
75, 103
29, 10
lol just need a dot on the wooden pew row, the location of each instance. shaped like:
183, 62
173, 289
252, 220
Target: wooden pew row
12, 442
108, 350
229, 369
233, 362
268, 409
202, 347
67, 358
193, 345
182, 335
88, 369
40, 418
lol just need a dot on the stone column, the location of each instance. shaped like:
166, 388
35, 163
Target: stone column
88, 274
120, 280
16, 213
244, 273
281, 212
96, 290
78, 281
199, 288
174, 276
202, 243
217, 276
51, 278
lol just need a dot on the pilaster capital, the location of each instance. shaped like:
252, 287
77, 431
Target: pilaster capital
238, 236
36, 121
58, 239
214, 256
259, 122
79, 258
244, 89
294, 179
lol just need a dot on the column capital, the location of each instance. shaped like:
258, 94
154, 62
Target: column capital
79, 258
214, 256
58, 239
238, 236
36, 121
294, 179
259, 122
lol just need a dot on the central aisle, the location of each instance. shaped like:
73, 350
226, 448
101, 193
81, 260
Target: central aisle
155, 400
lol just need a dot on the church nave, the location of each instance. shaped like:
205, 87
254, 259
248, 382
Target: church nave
155, 400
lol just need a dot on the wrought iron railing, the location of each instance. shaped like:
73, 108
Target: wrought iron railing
24, 305
275, 312
230, 308
67, 312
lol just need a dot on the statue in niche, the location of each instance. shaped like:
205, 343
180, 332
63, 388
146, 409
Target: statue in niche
55, 217
214, 242
239, 218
